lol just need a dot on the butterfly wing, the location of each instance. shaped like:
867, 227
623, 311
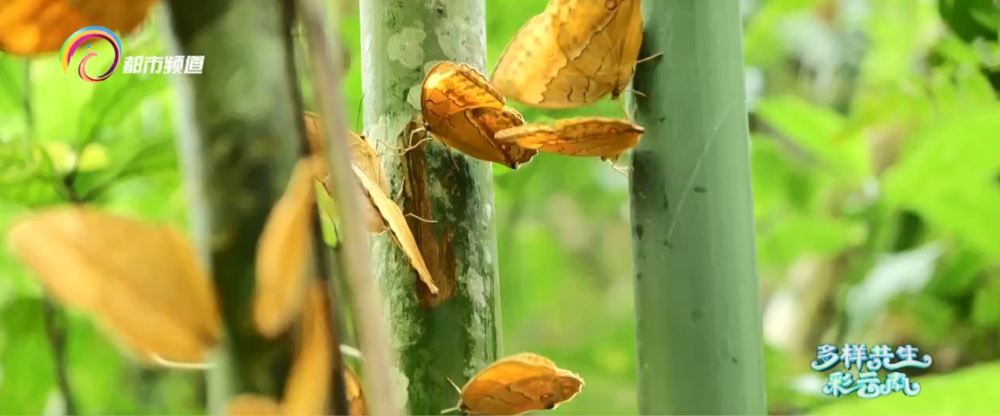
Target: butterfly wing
394, 217
355, 395
489, 121
308, 384
451, 88
283, 254
604, 52
456, 101
142, 282
517, 384
585, 137
572, 54
33, 27
530, 62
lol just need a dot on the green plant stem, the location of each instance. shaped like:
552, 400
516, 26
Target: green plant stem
697, 298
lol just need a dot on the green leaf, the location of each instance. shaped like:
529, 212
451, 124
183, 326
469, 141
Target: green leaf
966, 213
986, 305
970, 19
115, 99
25, 358
11, 84
762, 44
949, 178
961, 147
947, 394
899, 32
796, 235
958, 275
821, 132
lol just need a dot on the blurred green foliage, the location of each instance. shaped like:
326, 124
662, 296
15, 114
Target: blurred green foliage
875, 133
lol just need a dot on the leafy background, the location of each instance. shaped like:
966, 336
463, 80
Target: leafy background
876, 173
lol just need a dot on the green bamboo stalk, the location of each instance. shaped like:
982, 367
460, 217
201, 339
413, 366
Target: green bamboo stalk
239, 141
456, 333
697, 309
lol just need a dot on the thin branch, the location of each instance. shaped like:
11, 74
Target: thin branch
321, 256
372, 331
131, 168
55, 330
52, 316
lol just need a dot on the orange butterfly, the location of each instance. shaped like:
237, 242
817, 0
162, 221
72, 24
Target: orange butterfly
142, 282
41, 26
572, 54
308, 385
607, 138
462, 110
283, 253
517, 384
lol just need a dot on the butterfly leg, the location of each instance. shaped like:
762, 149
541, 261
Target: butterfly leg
452, 157
649, 58
621, 103
419, 218
624, 170
402, 150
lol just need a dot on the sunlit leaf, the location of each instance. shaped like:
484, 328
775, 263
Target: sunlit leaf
946, 394
821, 132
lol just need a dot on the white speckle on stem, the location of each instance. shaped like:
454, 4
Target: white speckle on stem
477, 289
400, 385
413, 96
406, 47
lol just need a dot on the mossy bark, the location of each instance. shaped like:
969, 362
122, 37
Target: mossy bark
240, 138
456, 333
697, 307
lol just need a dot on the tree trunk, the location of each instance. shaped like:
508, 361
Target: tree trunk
240, 138
457, 332
697, 307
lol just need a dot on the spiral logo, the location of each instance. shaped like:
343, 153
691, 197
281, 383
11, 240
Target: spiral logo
83, 36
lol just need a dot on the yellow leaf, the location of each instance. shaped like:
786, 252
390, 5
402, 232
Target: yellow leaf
142, 282
283, 254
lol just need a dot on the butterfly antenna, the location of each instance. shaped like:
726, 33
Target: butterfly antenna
419, 218
457, 407
458, 389
180, 366
451, 409
649, 58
